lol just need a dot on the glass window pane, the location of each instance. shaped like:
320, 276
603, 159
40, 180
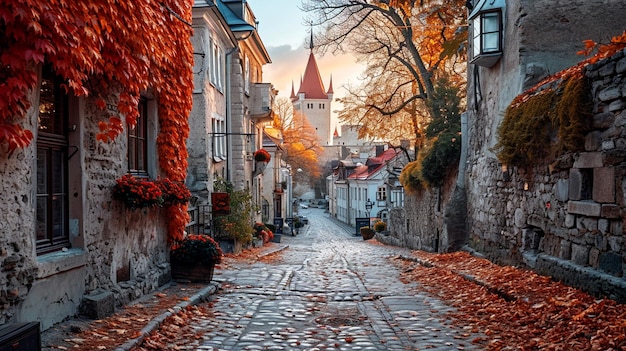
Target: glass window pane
42, 216
58, 174
491, 22
42, 171
490, 42
58, 216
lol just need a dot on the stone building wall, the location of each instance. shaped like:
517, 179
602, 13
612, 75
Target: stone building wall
541, 217
116, 253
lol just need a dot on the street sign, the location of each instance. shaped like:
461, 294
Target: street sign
361, 222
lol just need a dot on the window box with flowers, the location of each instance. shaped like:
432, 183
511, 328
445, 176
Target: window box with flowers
194, 258
261, 155
137, 192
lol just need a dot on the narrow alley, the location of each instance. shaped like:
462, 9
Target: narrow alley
328, 289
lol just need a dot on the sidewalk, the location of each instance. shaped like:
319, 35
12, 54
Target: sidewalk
128, 326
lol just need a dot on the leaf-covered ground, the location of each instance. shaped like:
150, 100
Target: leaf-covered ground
517, 309
514, 309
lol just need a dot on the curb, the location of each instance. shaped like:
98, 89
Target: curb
202, 295
156, 322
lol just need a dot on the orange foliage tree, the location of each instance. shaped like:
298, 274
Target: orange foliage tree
300, 141
106, 49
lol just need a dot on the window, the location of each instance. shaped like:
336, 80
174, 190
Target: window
217, 66
52, 203
486, 37
246, 74
219, 138
138, 141
381, 193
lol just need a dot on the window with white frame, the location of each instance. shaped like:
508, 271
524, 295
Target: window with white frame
219, 137
217, 66
381, 193
247, 74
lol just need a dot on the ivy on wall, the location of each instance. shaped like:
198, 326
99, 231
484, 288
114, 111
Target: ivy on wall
109, 50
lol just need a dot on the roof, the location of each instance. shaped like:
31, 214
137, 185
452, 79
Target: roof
373, 165
312, 86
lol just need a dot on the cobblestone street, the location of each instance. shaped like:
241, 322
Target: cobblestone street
328, 289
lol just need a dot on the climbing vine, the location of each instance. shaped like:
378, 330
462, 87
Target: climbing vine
107, 49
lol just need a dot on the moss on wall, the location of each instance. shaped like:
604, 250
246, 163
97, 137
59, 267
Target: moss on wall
552, 121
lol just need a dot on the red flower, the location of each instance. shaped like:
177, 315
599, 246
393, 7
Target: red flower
261, 155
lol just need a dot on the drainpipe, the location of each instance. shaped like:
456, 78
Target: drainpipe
227, 91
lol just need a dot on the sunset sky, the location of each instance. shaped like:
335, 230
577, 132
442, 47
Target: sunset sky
285, 35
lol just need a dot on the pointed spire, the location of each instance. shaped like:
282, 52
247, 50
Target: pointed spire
336, 133
311, 41
330, 87
293, 94
311, 84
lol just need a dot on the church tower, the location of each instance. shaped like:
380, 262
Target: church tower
313, 101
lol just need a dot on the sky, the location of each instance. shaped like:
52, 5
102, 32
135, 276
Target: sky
285, 36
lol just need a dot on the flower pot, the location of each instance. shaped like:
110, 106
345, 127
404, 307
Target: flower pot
197, 273
367, 233
276, 238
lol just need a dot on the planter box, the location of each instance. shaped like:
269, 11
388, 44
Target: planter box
230, 245
197, 273
276, 238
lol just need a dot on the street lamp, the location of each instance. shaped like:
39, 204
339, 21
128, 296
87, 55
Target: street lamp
368, 206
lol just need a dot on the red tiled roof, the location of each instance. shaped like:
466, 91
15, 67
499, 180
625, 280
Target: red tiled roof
373, 165
312, 85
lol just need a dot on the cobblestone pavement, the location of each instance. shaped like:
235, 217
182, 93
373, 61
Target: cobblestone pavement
328, 290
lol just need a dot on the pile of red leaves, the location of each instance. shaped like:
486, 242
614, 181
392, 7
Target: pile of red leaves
516, 309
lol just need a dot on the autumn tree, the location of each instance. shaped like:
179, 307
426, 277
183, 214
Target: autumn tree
406, 45
300, 141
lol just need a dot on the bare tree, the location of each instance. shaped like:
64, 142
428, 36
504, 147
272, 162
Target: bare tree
405, 44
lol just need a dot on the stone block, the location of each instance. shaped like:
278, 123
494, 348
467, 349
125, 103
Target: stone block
603, 120
604, 185
610, 93
561, 190
566, 250
610, 211
603, 225
588, 160
98, 306
570, 220
593, 141
611, 263
586, 208
580, 254
575, 184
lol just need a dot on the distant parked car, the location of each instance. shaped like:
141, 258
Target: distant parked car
303, 219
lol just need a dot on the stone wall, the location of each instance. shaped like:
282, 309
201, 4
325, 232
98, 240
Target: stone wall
114, 251
419, 225
564, 217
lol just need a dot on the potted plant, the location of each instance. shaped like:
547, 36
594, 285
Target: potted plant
263, 233
194, 258
137, 192
367, 233
261, 155
380, 226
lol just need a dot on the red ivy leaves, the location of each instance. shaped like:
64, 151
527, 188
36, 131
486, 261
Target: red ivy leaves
96, 45
103, 47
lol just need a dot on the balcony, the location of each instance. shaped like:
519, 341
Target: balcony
261, 100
